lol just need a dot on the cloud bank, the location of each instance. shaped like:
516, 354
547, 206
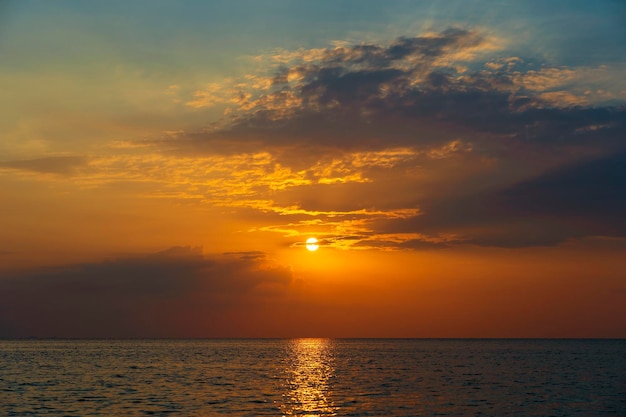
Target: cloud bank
179, 291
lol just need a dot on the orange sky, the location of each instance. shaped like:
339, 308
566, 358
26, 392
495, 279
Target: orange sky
159, 174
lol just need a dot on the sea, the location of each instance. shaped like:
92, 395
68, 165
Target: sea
313, 377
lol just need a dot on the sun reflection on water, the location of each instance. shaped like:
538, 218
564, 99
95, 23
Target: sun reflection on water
309, 368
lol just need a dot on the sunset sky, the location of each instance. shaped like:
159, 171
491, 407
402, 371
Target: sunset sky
461, 163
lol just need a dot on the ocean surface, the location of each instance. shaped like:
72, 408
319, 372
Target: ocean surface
313, 377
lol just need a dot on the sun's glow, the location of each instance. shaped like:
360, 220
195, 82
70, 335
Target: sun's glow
311, 244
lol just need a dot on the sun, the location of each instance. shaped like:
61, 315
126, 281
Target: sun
311, 244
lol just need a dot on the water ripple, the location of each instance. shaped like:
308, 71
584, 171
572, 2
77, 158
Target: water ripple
313, 377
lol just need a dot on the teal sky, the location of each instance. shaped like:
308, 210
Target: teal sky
207, 31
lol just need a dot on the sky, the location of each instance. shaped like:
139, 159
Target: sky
462, 165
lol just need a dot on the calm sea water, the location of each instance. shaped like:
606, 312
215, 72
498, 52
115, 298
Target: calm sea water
313, 377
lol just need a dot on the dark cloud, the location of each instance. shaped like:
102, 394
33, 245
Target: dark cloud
136, 296
414, 244
589, 196
62, 165
247, 255
433, 45
342, 59
354, 97
581, 200
410, 93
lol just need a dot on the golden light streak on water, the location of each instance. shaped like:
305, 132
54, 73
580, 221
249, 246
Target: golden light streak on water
310, 365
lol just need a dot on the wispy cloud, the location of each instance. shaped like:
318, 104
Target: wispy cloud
61, 165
